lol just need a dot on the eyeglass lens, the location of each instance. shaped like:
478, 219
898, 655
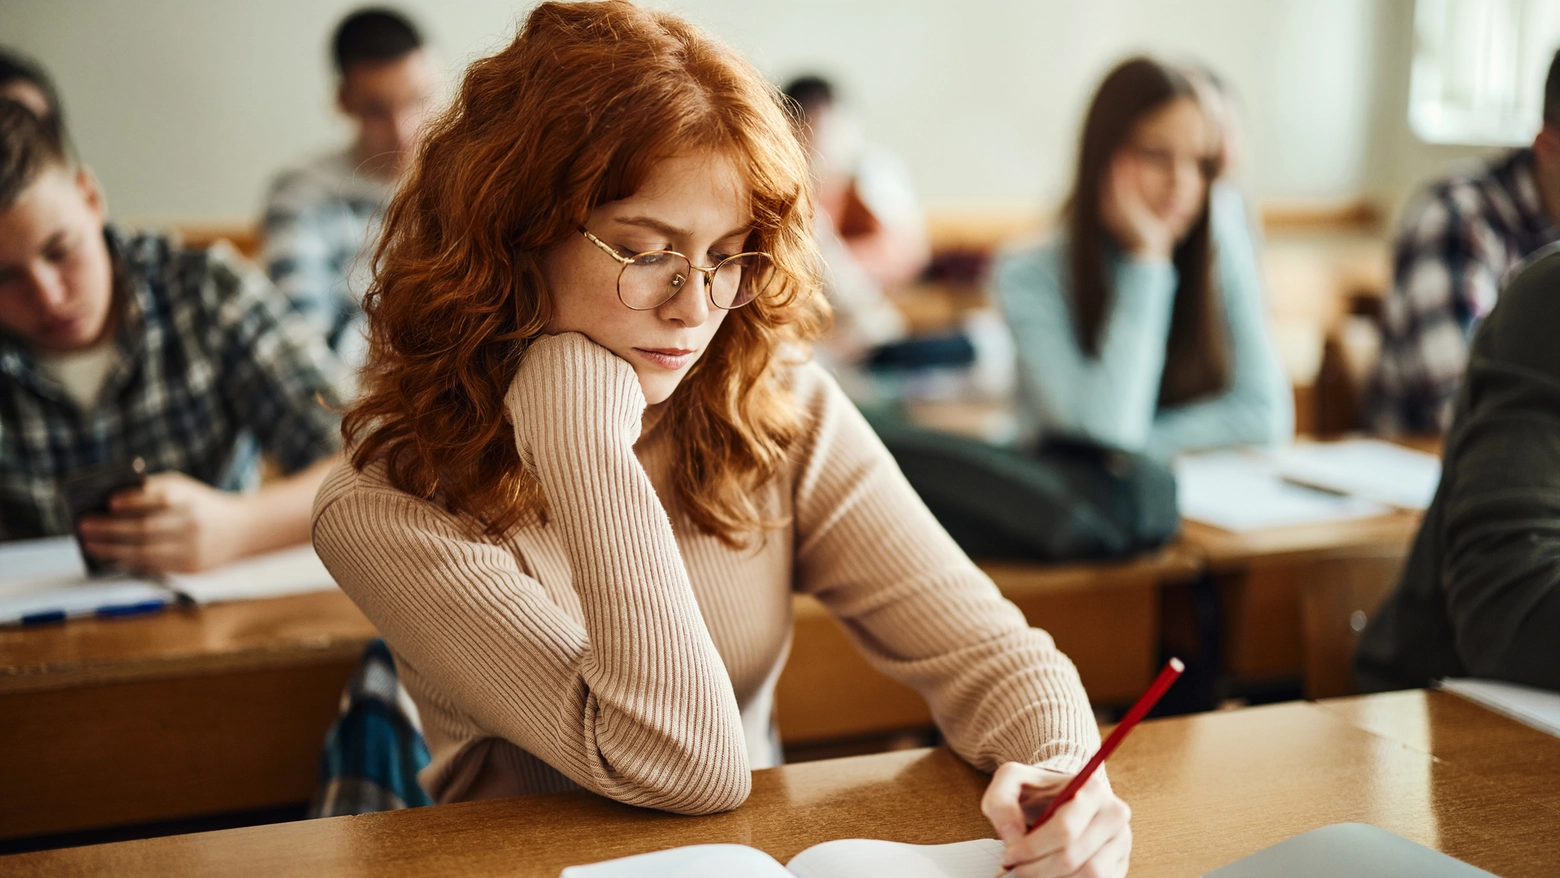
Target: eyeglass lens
652, 279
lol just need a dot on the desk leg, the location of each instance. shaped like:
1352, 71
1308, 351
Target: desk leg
1293, 620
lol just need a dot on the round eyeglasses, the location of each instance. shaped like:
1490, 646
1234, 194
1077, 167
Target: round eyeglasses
649, 280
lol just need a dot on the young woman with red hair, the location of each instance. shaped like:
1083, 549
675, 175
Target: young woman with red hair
592, 462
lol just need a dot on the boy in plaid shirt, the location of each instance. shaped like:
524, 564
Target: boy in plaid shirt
114, 347
1459, 241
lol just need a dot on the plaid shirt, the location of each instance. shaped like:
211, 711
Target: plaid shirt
1459, 240
204, 368
320, 221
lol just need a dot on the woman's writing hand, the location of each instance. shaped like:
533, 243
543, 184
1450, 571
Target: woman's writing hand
1089, 837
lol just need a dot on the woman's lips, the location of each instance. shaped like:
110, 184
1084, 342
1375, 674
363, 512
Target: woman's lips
666, 358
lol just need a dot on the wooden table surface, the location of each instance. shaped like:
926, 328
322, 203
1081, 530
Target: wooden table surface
1519, 758
1205, 790
189, 712
229, 637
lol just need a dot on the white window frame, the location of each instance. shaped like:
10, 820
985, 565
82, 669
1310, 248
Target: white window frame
1477, 75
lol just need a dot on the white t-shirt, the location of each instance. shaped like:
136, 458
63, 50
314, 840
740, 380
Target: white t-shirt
82, 372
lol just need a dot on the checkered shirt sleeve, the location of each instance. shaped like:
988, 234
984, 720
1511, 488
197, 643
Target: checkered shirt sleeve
278, 368
1446, 266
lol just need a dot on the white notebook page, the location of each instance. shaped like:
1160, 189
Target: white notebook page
696, 861
866, 858
289, 571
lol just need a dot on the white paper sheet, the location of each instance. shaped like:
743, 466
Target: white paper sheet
857, 857
1367, 468
47, 578
695, 861
1243, 491
1539, 708
844, 858
289, 571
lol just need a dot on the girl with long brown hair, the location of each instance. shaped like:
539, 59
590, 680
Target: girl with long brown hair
1141, 325
592, 462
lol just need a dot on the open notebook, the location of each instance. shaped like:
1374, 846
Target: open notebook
845, 858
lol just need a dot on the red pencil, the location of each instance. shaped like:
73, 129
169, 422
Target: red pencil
1172, 670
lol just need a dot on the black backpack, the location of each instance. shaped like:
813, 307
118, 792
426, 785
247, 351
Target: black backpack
1065, 500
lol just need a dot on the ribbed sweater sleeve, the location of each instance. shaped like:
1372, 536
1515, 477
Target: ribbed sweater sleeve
1110, 397
920, 610
633, 702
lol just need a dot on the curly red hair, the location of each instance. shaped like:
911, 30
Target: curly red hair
573, 115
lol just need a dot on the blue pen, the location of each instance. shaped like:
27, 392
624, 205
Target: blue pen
136, 609
43, 618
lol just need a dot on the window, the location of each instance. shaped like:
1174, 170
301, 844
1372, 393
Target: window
1479, 67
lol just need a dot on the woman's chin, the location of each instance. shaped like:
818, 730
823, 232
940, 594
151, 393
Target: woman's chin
658, 388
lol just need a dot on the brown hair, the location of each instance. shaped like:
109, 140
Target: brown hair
573, 115
1197, 355
28, 147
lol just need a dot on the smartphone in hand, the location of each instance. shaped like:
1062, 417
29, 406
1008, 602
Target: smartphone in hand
87, 492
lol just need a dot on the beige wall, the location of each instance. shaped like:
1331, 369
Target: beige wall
185, 107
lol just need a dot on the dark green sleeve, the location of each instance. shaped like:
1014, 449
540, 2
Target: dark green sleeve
1501, 571
1501, 577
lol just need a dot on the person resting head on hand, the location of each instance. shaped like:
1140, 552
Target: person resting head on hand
592, 461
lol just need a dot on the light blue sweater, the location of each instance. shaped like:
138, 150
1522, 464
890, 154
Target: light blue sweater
1113, 398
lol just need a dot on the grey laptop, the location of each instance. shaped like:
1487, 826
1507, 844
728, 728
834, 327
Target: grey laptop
1348, 850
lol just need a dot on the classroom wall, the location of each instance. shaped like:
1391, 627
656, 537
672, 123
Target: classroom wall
185, 107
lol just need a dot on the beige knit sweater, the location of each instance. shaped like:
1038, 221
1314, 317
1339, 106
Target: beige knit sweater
620, 649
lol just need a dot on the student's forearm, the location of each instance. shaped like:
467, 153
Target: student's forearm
662, 726
279, 512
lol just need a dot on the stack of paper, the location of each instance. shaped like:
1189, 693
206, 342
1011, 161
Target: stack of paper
1308, 483
46, 580
1368, 468
1240, 491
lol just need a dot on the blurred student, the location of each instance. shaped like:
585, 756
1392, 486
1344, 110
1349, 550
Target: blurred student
1141, 326
1480, 595
322, 218
870, 227
115, 346
590, 468
27, 83
1458, 240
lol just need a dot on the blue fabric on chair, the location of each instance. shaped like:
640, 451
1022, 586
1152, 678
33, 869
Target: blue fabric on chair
374, 749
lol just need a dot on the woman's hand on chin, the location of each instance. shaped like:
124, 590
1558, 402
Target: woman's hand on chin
1126, 213
569, 387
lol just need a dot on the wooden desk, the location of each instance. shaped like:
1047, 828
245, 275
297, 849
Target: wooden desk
1205, 790
1104, 616
187, 712
1291, 595
1518, 758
